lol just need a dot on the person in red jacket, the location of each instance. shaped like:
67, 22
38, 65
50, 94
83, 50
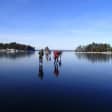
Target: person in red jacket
56, 56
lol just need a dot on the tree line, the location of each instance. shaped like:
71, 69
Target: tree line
94, 47
16, 46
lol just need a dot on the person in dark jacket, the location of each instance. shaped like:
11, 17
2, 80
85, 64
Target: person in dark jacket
41, 54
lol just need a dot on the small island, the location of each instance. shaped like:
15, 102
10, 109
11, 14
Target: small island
94, 47
15, 47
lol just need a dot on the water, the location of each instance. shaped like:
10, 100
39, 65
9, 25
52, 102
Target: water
82, 82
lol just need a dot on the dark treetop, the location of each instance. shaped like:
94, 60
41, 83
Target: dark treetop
16, 46
94, 47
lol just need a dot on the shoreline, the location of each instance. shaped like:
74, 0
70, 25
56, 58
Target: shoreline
95, 52
14, 50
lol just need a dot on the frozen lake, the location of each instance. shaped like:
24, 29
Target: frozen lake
79, 83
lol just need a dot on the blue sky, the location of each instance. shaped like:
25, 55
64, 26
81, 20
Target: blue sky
59, 24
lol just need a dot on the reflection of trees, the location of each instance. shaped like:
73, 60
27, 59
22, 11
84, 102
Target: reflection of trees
95, 57
15, 54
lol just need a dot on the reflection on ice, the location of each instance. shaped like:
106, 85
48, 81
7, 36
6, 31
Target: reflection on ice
95, 57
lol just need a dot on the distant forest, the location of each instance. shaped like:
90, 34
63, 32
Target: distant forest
16, 46
94, 47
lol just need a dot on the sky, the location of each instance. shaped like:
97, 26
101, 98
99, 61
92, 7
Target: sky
59, 24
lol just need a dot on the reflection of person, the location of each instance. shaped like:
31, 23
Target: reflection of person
41, 54
40, 73
56, 70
